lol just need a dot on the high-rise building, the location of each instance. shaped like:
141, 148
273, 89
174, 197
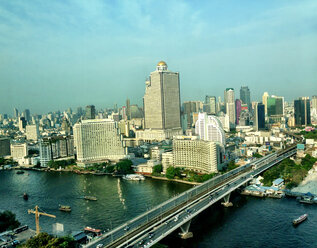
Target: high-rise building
314, 102
259, 117
90, 112
4, 146
128, 106
161, 105
302, 111
210, 105
97, 140
245, 96
209, 127
189, 108
264, 101
19, 151
27, 115
162, 99
230, 106
275, 106
238, 110
79, 111
15, 113
22, 123
32, 132
194, 154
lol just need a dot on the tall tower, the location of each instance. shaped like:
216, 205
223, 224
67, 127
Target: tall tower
90, 112
302, 111
245, 96
162, 99
230, 105
264, 101
259, 117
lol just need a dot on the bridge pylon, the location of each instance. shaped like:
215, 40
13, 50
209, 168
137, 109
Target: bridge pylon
185, 234
227, 202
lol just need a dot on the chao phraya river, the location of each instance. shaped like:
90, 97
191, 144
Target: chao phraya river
251, 222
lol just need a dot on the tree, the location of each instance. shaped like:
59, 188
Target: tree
170, 172
257, 155
124, 167
49, 241
8, 221
157, 169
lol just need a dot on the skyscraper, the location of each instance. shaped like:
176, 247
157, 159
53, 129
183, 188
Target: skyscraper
27, 115
238, 110
314, 102
90, 112
302, 111
210, 105
189, 108
264, 101
22, 123
15, 113
245, 96
128, 112
259, 117
230, 105
161, 104
162, 99
275, 106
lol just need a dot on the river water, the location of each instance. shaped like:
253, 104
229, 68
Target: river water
251, 222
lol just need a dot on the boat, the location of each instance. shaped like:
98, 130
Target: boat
65, 208
25, 196
134, 177
90, 198
300, 219
95, 231
20, 172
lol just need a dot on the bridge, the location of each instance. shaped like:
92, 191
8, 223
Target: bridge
150, 227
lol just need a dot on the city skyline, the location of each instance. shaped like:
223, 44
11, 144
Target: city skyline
60, 55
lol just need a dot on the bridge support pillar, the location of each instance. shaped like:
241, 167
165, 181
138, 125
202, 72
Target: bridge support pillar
185, 234
226, 202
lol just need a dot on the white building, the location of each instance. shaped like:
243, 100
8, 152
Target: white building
167, 160
209, 127
98, 139
225, 121
230, 106
32, 132
19, 151
199, 155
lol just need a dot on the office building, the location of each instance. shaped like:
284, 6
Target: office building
302, 111
209, 127
264, 101
198, 155
90, 112
15, 113
19, 151
238, 110
161, 105
22, 124
275, 106
189, 108
230, 106
27, 115
128, 108
4, 146
32, 132
210, 106
97, 140
259, 117
314, 103
245, 96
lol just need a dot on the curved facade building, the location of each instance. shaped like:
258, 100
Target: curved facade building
209, 128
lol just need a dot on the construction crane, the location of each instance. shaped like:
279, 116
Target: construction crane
37, 217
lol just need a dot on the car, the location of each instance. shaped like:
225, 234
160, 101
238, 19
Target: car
99, 246
15, 242
126, 228
176, 218
141, 242
151, 234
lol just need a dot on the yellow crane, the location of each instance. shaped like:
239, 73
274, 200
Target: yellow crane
37, 217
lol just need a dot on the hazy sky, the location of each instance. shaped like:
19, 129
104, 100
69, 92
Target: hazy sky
60, 54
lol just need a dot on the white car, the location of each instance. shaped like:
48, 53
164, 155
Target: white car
99, 246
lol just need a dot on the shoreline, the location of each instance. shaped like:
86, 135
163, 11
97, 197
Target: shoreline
97, 174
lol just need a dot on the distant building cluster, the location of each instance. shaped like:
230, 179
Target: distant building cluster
202, 136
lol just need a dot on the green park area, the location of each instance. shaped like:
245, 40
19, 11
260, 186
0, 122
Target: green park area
292, 173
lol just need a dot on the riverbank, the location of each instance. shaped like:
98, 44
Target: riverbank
309, 184
172, 180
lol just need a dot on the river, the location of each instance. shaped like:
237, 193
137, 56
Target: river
251, 222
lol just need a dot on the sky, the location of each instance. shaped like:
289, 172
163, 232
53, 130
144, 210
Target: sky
68, 53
